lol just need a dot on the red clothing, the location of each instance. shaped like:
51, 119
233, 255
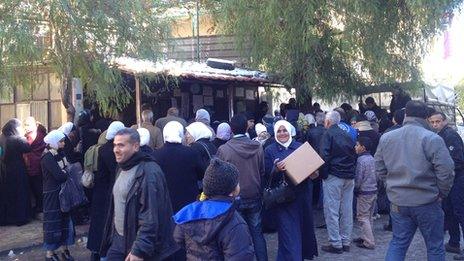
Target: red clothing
33, 158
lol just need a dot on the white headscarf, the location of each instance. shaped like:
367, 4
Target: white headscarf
259, 128
223, 131
144, 136
173, 132
202, 115
199, 130
310, 118
288, 127
53, 138
114, 127
66, 128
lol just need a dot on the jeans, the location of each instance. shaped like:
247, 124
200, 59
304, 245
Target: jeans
453, 206
250, 210
338, 210
405, 220
116, 251
68, 241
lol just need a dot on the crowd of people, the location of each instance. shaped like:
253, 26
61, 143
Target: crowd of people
176, 190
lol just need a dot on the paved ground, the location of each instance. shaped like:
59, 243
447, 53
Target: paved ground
26, 243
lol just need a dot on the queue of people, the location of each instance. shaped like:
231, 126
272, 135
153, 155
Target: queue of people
176, 191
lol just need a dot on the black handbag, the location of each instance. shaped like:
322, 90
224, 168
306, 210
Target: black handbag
277, 195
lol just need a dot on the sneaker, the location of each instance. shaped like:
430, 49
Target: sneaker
361, 245
66, 256
332, 249
452, 249
346, 248
54, 257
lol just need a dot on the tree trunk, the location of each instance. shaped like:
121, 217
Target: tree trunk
66, 97
304, 99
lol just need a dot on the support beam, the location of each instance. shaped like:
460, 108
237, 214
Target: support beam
137, 101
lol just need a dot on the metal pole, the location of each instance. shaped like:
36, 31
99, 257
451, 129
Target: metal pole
137, 101
198, 30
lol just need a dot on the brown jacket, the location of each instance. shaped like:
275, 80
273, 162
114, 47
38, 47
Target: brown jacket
156, 136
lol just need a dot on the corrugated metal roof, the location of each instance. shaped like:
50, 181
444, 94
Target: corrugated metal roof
187, 69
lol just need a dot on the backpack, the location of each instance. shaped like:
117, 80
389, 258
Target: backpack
91, 158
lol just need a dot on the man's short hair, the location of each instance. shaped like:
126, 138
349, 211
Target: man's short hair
399, 116
443, 116
366, 142
341, 113
133, 134
416, 109
147, 116
173, 111
320, 117
370, 100
239, 124
333, 117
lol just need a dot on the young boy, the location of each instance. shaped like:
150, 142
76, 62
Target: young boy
365, 191
212, 229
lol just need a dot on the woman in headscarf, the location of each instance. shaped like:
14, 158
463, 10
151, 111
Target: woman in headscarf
70, 143
15, 205
203, 116
182, 168
224, 133
103, 182
58, 227
295, 227
372, 118
144, 141
198, 136
262, 133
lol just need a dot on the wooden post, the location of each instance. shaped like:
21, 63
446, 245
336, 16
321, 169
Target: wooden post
137, 101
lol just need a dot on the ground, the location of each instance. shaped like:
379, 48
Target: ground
26, 244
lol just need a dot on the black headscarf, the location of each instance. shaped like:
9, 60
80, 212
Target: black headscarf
11, 127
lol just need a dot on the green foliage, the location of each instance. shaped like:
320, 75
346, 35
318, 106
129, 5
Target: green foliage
81, 36
330, 49
459, 88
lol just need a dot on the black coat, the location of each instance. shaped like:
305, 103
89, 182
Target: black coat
337, 151
56, 223
373, 136
455, 147
15, 205
148, 224
103, 183
89, 136
314, 136
200, 146
182, 168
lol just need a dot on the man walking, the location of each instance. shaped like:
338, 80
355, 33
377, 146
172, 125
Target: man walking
156, 136
140, 225
338, 172
248, 156
418, 170
453, 205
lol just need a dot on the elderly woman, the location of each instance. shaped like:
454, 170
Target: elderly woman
295, 228
224, 133
198, 136
15, 205
203, 116
58, 228
145, 141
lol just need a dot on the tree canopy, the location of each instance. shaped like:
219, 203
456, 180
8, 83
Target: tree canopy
77, 39
330, 49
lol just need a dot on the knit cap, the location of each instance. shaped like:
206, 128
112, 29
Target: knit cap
220, 178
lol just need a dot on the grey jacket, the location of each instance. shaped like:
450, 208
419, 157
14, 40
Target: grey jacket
415, 163
365, 181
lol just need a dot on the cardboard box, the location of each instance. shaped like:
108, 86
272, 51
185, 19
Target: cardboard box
303, 163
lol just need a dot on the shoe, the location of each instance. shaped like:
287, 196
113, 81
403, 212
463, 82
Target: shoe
452, 249
332, 249
67, 256
459, 257
361, 245
346, 248
358, 240
53, 258
387, 228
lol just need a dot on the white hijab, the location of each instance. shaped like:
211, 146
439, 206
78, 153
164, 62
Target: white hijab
66, 128
199, 130
288, 127
144, 136
260, 128
202, 115
114, 127
173, 132
223, 131
53, 138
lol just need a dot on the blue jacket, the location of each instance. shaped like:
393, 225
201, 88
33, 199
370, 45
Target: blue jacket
350, 130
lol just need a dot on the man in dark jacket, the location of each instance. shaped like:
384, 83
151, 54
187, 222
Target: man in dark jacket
248, 157
337, 150
212, 229
315, 133
139, 226
454, 204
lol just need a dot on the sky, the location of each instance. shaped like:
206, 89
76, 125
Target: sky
446, 71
